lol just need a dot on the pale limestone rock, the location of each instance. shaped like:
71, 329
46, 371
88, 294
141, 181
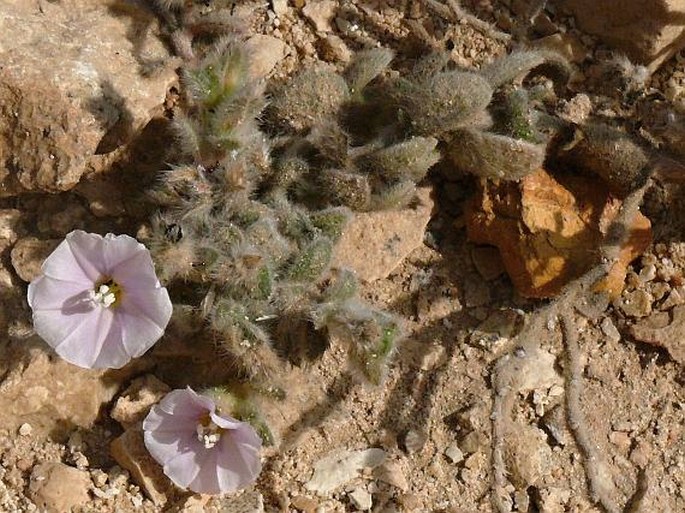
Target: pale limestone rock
265, 52
361, 499
373, 244
320, 13
28, 255
56, 487
135, 402
130, 452
391, 472
334, 471
74, 86
50, 394
648, 31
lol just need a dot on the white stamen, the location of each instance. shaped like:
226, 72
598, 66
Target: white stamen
209, 435
104, 296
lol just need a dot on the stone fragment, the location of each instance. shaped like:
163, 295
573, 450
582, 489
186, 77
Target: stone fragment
56, 487
135, 402
609, 329
390, 472
79, 79
454, 454
9, 220
280, 7
50, 394
647, 31
636, 303
662, 330
28, 255
304, 504
361, 499
527, 455
265, 52
375, 243
334, 471
565, 44
320, 13
548, 231
414, 440
130, 452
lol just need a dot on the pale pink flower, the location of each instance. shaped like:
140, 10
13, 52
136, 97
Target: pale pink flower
98, 302
200, 448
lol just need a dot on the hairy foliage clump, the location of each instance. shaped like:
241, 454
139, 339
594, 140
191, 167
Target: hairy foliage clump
251, 211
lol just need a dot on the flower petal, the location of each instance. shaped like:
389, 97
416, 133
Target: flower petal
225, 421
87, 250
47, 293
153, 304
77, 338
112, 353
183, 403
62, 264
207, 480
137, 272
165, 445
184, 467
120, 250
239, 463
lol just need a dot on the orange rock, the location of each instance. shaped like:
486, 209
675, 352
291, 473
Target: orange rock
548, 230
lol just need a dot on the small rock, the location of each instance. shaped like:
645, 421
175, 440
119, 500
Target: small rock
391, 473
25, 429
647, 273
375, 243
135, 402
334, 471
320, 13
553, 237
130, 452
648, 31
56, 487
304, 504
280, 7
414, 441
528, 455
73, 90
265, 52
637, 303
620, 439
610, 330
28, 255
675, 297
658, 330
53, 395
565, 44
361, 499
454, 454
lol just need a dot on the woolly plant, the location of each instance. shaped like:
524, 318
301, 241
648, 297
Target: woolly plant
251, 212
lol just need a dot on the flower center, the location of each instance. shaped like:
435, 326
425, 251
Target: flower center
106, 293
208, 432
